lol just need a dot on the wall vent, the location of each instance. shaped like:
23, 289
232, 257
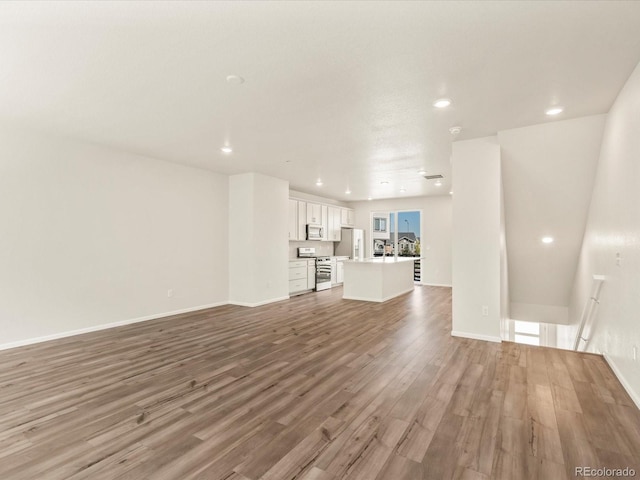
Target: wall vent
432, 177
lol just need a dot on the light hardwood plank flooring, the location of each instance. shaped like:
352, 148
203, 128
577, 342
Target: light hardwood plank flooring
314, 388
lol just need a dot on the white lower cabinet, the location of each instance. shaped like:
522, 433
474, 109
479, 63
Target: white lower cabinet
334, 271
296, 286
340, 272
302, 276
311, 275
297, 273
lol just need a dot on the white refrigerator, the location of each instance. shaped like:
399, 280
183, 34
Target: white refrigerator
352, 244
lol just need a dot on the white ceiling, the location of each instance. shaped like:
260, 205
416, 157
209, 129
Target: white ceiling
337, 90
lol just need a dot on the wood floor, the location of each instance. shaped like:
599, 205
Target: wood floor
315, 388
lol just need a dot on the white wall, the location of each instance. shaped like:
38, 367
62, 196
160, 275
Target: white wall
548, 172
477, 239
613, 228
258, 239
323, 249
92, 236
435, 237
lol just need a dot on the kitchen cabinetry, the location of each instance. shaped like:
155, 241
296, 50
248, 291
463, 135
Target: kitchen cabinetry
325, 222
317, 215
297, 220
293, 219
334, 271
302, 276
335, 220
302, 220
337, 270
314, 213
311, 275
331, 218
347, 217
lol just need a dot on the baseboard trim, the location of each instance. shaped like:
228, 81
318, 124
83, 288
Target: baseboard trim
258, 304
435, 285
363, 299
475, 336
105, 326
635, 396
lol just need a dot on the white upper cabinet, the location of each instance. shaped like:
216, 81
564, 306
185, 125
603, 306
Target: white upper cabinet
293, 219
314, 213
335, 221
297, 220
331, 217
347, 217
302, 220
325, 222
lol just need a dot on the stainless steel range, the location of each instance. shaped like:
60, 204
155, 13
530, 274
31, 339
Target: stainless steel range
323, 273
323, 267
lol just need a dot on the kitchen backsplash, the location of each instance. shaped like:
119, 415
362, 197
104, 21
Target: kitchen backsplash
322, 248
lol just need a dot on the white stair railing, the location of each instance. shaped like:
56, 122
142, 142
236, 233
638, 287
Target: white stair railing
589, 309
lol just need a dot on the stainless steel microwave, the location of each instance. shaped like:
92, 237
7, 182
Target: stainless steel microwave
314, 232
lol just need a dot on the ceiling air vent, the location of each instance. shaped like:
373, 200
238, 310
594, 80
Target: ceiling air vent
432, 177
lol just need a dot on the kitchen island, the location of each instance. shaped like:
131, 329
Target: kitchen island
378, 279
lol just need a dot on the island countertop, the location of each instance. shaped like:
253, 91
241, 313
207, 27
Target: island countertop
378, 279
379, 260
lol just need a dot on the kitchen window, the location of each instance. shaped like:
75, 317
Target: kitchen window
397, 234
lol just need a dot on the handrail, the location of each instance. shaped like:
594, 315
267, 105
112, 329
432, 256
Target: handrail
589, 308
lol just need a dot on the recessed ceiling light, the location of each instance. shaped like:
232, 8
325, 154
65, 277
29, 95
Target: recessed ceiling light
384, 182
235, 79
402, 189
547, 239
455, 130
319, 182
554, 111
438, 183
451, 192
347, 191
369, 198
226, 149
442, 103
422, 172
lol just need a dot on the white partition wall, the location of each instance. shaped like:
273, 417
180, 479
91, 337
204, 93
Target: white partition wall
258, 239
477, 230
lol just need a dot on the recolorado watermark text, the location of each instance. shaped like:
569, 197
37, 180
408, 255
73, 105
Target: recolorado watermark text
604, 472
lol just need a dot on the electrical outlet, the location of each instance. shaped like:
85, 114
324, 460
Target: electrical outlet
618, 259
170, 293
485, 310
